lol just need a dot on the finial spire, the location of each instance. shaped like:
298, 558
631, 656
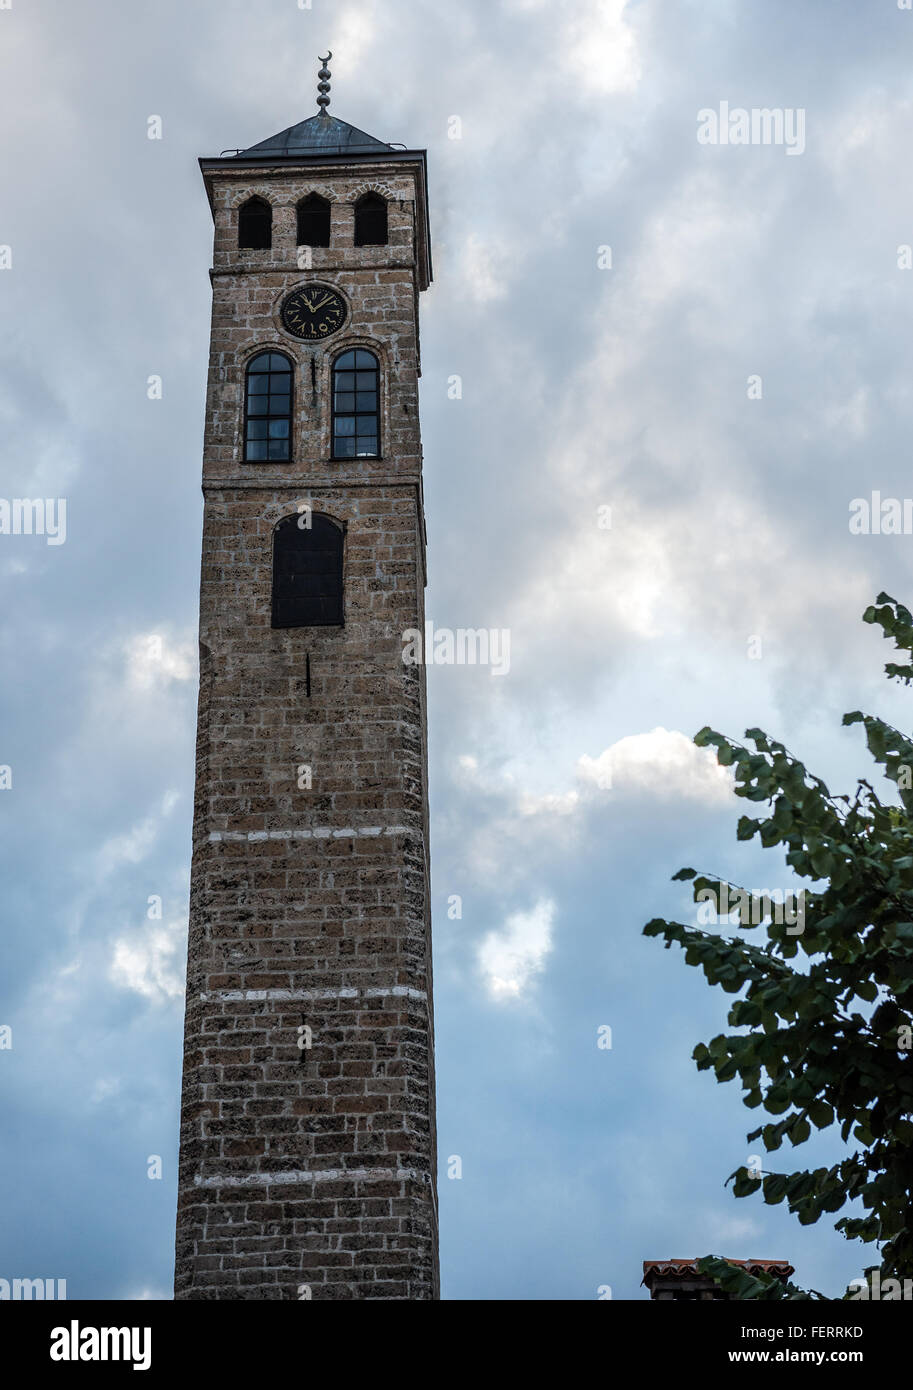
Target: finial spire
323, 86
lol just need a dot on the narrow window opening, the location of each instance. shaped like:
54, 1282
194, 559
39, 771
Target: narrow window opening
268, 409
356, 405
313, 221
255, 225
371, 221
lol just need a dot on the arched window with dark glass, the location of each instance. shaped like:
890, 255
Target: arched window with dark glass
255, 225
268, 409
313, 221
356, 405
307, 571
371, 221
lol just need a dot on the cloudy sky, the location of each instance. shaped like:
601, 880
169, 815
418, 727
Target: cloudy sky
712, 341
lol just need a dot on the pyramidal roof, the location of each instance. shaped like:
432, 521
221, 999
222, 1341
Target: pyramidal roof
321, 134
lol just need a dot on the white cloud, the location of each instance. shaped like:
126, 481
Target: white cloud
620, 580
848, 415
736, 1229
485, 268
155, 659
551, 803
104, 1088
151, 962
135, 844
353, 38
664, 763
599, 48
512, 958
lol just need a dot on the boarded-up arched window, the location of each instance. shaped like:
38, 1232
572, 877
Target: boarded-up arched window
313, 221
371, 221
307, 571
255, 225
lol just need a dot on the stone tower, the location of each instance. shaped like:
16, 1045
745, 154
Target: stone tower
308, 1151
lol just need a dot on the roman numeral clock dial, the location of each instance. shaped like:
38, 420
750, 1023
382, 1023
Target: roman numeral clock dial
313, 312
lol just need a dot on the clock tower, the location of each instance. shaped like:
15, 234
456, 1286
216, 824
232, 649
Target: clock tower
307, 1151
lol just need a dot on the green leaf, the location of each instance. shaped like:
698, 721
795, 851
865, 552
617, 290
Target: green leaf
821, 1114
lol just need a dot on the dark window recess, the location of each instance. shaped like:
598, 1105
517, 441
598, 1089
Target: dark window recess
307, 573
268, 409
313, 221
371, 221
255, 226
356, 405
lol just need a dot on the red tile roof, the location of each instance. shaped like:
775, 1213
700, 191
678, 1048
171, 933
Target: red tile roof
682, 1268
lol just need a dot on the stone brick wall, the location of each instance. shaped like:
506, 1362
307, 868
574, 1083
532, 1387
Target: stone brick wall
308, 1159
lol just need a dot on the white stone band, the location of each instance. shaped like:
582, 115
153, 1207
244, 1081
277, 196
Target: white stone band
321, 1175
280, 996
320, 832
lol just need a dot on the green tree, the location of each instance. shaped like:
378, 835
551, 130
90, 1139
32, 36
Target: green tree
825, 1007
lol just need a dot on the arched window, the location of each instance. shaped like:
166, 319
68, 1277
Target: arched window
371, 221
268, 413
313, 221
255, 225
356, 405
307, 571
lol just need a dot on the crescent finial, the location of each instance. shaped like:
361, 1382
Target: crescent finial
323, 86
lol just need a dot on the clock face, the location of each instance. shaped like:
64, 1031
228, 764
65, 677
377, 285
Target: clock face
313, 312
